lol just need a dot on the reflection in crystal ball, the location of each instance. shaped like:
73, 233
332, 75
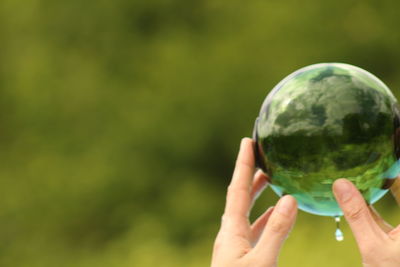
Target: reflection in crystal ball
324, 122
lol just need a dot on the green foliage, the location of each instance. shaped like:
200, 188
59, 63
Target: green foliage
120, 121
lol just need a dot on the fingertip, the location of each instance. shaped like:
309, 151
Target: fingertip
260, 182
337, 183
289, 198
286, 205
292, 198
246, 154
245, 140
242, 143
245, 144
261, 175
343, 189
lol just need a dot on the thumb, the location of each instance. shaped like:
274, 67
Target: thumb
356, 212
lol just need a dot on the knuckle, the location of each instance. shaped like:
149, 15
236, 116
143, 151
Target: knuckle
230, 191
366, 249
219, 240
217, 245
240, 161
235, 190
354, 213
243, 163
223, 218
225, 221
279, 226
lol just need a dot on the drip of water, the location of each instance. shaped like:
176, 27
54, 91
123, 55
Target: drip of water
338, 233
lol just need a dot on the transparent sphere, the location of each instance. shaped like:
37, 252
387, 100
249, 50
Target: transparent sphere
324, 122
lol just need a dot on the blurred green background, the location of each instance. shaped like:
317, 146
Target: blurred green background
120, 121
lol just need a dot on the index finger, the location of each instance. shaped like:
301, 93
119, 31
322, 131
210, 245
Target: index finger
238, 200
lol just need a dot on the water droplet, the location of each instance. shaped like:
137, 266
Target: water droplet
338, 233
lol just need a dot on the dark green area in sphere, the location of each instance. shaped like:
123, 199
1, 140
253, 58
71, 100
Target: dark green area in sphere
324, 122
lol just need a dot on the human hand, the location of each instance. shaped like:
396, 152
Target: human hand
378, 242
238, 243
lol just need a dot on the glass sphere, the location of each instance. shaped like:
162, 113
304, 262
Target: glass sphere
325, 122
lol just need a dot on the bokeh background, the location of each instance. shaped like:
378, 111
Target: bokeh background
120, 121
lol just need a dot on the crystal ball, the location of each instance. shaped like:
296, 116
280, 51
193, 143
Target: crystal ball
324, 122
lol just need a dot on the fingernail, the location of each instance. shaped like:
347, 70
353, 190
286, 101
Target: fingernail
242, 142
285, 205
343, 189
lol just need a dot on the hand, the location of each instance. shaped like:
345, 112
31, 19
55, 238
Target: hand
378, 242
238, 243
